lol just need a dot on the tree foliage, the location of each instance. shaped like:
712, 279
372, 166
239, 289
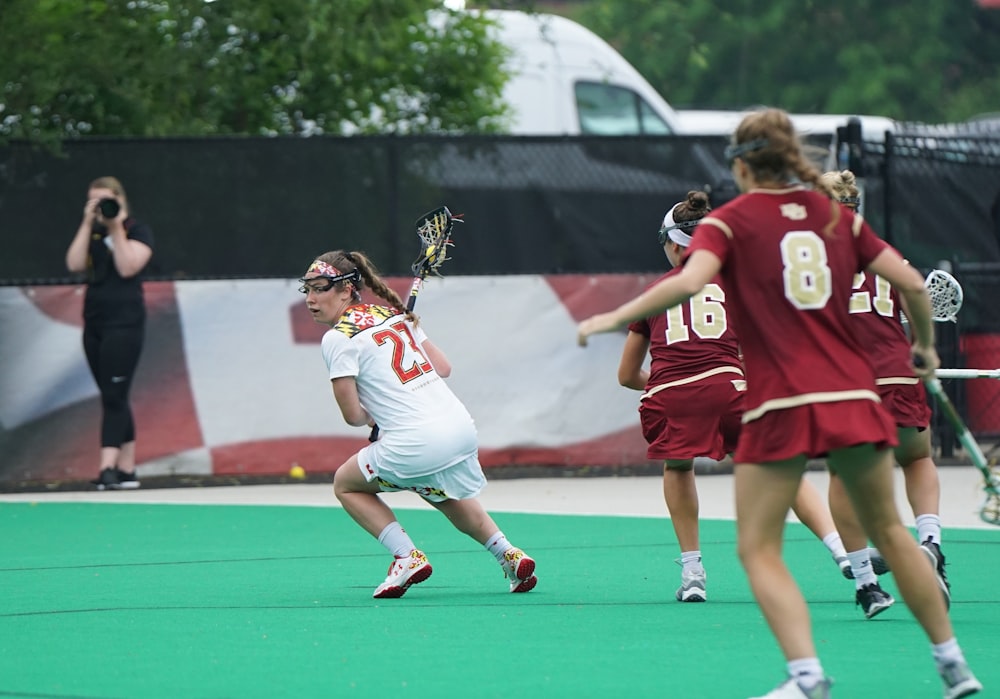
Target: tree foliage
204, 67
937, 60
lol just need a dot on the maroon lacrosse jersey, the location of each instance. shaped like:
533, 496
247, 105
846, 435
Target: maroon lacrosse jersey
691, 339
875, 309
789, 281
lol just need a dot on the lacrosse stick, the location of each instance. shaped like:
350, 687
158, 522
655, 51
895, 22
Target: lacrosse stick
946, 296
968, 373
434, 231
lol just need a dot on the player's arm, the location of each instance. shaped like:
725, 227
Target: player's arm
917, 304
345, 390
437, 358
630, 371
699, 269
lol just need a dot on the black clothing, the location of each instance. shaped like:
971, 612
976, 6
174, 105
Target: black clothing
112, 299
114, 325
113, 355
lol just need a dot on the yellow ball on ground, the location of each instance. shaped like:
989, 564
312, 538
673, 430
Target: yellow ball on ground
297, 471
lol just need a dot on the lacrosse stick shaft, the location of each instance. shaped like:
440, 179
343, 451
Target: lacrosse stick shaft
989, 512
433, 229
968, 373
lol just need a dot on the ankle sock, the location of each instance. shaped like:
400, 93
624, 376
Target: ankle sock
498, 545
396, 541
861, 566
929, 527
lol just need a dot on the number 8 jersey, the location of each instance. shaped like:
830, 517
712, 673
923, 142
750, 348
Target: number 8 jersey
424, 426
789, 258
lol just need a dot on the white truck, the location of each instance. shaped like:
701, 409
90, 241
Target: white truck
566, 80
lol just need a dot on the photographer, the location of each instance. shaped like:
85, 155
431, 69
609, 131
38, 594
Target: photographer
112, 249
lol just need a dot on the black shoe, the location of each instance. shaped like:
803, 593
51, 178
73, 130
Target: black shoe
127, 480
934, 555
873, 600
879, 566
107, 480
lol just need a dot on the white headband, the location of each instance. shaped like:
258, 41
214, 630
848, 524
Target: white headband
675, 230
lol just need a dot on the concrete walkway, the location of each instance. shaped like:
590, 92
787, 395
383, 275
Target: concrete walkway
961, 496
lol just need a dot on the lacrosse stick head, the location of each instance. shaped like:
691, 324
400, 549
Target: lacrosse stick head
989, 511
434, 230
946, 295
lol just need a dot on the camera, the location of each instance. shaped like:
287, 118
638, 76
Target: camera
109, 208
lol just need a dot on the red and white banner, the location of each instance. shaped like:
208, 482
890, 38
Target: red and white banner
231, 379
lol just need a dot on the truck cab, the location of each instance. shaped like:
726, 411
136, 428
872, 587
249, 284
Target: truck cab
566, 80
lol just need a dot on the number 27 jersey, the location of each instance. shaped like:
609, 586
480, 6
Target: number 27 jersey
396, 382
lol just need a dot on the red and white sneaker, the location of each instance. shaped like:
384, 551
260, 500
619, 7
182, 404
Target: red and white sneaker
404, 572
519, 569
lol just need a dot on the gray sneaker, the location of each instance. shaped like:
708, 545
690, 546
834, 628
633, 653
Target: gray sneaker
845, 566
692, 587
958, 680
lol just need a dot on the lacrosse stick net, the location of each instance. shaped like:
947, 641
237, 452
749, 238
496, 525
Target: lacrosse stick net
946, 295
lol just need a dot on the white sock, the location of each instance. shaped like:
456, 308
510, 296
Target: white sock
834, 544
498, 545
947, 652
929, 527
691, 560
861, 566
396, 540
807, 672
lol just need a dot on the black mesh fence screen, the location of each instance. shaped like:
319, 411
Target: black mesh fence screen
264, 207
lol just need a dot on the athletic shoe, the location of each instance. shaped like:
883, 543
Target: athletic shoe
958, 680
879, 565
934, 555
790, 689
692, 587
845, 566
107, 480
519, 569
873, 600
403, 572
127, 480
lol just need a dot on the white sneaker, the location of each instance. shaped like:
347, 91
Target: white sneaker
790, 689
692, 587
404, 572
519, 569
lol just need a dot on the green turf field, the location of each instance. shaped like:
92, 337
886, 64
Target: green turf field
115, 601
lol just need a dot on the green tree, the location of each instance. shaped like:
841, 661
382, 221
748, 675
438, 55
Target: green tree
929, 61
203, 67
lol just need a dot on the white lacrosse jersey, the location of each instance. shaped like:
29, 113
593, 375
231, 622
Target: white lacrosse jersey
423, 426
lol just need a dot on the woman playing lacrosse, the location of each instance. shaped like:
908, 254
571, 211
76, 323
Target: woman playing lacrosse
692, 401
384, 370
787, 257
875, 307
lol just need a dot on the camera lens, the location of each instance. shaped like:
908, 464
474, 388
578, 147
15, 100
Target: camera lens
109, 207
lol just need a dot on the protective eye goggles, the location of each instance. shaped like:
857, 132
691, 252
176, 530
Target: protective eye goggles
738, 149
684, 227
354, 276
852, 202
